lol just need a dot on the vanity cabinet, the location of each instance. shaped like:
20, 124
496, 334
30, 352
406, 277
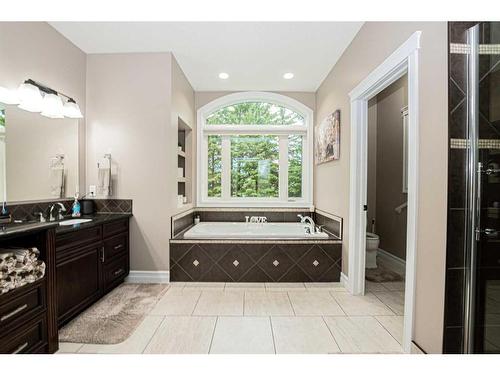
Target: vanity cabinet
90, 262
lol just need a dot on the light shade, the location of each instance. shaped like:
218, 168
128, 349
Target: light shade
8, 96
30, 98
72, 110
223, 75
52, 106
288, 75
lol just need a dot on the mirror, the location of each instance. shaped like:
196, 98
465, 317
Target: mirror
38, 156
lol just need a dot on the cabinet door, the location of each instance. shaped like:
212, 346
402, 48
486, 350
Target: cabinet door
78, 280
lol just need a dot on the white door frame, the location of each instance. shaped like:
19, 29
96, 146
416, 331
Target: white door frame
402, 61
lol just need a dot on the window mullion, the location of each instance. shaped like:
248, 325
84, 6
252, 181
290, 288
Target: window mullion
226, 167
283, 167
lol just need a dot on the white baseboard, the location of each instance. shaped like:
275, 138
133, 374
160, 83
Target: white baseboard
344, 280
148, 277
391, 261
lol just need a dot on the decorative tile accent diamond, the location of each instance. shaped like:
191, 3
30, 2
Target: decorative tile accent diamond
315, 263
236, 263
196, 263
276, 263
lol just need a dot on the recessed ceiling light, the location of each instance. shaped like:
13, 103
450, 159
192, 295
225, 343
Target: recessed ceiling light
288, 75
223, 75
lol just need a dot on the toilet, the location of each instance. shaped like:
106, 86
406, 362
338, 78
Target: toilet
372, 242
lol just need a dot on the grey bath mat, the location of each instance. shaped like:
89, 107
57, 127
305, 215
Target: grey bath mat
113, 319
381, 274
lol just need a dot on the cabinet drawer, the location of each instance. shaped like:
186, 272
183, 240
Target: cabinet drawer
115, 246
22, 304
115, 227
27, 339
78, 238
114, 271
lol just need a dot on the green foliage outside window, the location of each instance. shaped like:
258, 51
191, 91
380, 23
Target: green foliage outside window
255, 158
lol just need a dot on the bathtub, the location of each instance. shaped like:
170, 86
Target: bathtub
231, 230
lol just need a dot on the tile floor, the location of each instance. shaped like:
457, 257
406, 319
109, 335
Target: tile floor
266, 318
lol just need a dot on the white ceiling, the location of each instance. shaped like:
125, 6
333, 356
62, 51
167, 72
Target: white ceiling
254, 54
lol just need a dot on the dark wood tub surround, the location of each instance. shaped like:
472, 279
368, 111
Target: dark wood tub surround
255, 260
83, 262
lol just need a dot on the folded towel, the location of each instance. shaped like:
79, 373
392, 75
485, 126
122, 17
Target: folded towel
103, 177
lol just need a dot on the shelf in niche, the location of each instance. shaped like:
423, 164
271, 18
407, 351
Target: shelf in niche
181, 153
181, 179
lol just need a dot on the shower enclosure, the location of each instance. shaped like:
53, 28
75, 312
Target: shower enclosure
472, 312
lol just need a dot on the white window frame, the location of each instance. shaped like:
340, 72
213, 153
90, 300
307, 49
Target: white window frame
282, 131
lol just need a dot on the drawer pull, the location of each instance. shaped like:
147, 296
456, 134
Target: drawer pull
102, 254
117, 247
13, 312
117, 272
20, 348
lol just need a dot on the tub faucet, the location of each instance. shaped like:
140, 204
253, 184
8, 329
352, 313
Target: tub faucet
309, 223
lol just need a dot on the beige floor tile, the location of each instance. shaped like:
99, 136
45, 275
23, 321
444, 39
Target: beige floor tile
69, 347
215, 303
394, 286
371, 286
362, 334
242, 335
394, 300
177, 301
177, 284
302, 335
365, 305
204, 286
135, 344
394, 325
246, 286
284, 287
183, 335
267, 304
314, 303
324, 286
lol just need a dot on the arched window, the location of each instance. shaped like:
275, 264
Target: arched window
254, 149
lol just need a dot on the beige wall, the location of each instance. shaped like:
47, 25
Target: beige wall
374, 43
390, 226
371, 178
133, 104
128, 115
35, 50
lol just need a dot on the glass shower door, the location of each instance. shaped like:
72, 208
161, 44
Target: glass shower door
483, 279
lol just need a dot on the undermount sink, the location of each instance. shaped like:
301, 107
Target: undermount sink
74, 221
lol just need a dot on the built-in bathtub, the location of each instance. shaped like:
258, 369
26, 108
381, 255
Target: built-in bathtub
230, 251
238, 231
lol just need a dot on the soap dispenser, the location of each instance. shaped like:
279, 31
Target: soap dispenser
76, 207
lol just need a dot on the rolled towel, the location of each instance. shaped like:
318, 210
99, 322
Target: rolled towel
7, 258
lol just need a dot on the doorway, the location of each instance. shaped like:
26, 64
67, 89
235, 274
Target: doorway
403, 61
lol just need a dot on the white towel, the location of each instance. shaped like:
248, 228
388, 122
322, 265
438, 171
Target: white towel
103, 177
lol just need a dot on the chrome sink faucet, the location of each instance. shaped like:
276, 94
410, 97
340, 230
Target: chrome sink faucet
310, 225
60, 209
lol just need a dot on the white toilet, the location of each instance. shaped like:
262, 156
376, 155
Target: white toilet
372, 242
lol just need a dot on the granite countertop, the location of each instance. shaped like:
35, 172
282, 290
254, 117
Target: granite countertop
34, 226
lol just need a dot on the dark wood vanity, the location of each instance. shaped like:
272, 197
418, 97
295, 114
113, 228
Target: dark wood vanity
89, 263
83, 263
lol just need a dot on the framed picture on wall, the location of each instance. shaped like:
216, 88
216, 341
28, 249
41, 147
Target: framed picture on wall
327, 139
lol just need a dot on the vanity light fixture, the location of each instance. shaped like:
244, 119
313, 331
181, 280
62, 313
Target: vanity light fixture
35, 97
52, 106
8, 96
223, 75
30, 97
288, 75
72, 110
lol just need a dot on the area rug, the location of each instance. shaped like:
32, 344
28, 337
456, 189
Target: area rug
381, 274
113, 319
